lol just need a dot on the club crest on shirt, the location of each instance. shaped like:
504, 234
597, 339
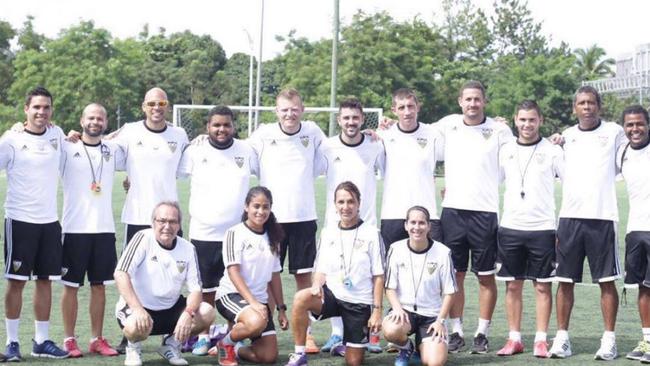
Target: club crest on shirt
603, 140
540, 157
64, 271
239, 160
358, 243
16, 265
172, 146
431, 267
487, 133
106, 153
422, 142
55, 143
304, 140
181, 265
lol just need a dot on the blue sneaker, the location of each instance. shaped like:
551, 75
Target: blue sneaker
334, 339
338, 350
201, 347
416, 358
404, 355
12, 352
48, 349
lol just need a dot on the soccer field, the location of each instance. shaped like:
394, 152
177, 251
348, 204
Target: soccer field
585, 330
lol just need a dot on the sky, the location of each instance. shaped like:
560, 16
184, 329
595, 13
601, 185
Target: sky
617, 26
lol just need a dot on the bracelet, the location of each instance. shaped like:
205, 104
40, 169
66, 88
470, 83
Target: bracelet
282, 307
190, 312
376, 307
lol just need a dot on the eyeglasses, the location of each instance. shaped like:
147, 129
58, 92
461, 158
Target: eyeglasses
154, 103
163, 222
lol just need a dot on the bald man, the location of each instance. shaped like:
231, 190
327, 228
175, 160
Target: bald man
87, 169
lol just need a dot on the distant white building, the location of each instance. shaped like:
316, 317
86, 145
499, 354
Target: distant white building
637, 63
632, 75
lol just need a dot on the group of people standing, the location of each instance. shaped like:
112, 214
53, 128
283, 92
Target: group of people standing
240, 237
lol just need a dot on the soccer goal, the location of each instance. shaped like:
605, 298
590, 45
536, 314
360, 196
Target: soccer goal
192, 117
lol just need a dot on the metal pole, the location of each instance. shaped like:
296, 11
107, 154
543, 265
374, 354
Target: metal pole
259, 69
251, 60
335, 42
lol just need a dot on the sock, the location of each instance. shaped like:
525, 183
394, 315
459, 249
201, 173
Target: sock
540, 336
170, 340
609, 335
483, 327
93, 339
337, 326
646, 334
562, 335
133, 344
299, 349
204, 336
457, 326
227, 340
514, 335
12, 329
67, 338
42, 331
407, 345
238, 345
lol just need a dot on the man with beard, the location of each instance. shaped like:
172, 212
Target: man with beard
87, 170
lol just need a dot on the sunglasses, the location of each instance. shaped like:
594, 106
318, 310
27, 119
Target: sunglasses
154, 103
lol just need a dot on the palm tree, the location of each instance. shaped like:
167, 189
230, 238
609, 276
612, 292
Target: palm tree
590, 65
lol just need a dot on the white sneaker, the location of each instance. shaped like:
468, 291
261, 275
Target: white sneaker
560, 349
171, 351
607, 350
132, 354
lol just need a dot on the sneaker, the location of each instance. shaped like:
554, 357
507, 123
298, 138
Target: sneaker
456, 343
310, 345
48, 349
338, 350
404, 355
645, 358
188, 345
480, 345
297, 359
511, 348
560, 349
171, 351
607, 351
132, 355
201, 347
416, 358
227, 355
540, 349
12, 352
3, 358
101, 347
391, 348
642, 348
121, 348
334, 339
374, 346
70, 346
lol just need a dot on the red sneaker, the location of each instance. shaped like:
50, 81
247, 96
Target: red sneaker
227, 355
101, 347
511, 348
70, 346
540, 349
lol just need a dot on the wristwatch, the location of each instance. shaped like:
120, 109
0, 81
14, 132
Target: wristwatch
282, 307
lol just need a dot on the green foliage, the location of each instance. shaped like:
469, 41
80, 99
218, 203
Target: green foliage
591, 65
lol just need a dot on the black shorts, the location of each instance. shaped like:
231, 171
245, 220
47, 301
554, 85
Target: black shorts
92, 253
300, 242
420, 326
594, 239
209, 255
355, 318
32, 250
637, 258
164, 321
465, 231
132, 229
526, 255
393, 230
231, 305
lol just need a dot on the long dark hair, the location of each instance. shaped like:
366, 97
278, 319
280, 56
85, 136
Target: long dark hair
271, 226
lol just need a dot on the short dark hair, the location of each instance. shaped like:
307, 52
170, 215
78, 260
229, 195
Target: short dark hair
220, 110
350, 188
472, 84
589, 90
351, 103
421, 209
635, 109
405, 93
271, 226
39, 91
528, 105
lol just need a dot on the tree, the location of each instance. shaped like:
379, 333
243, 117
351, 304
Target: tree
7, 33
515, 30
28, 39
591, 65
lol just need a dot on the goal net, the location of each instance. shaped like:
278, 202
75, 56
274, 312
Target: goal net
193, 117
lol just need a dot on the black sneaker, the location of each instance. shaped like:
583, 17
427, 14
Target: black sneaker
645, 358
480, 344
121, 348
456, 342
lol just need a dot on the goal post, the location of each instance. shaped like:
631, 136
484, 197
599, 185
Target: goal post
192, 117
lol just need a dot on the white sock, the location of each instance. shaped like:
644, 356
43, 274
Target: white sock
562, 335
609, 335
514, 335
133, 344
12, 329
540, 336
456, 325
337, 326
204, 336
227, 340
483, 327
299, 349
646, 334
93, 339
42, 331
